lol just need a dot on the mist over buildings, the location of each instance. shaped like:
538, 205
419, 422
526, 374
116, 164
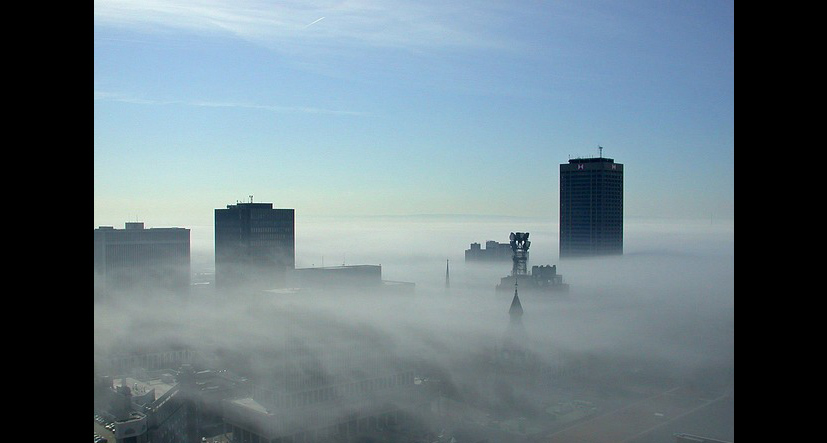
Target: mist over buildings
664, 309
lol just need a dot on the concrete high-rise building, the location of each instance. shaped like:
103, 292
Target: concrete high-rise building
135, 258
591, 207
255, 245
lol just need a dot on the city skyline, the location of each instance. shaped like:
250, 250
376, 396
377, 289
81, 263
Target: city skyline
366, 144
376, 108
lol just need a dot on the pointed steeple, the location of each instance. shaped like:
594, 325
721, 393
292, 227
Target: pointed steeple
516, 309
447, 280
514, 342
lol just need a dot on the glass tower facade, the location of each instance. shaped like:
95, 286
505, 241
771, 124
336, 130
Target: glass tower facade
591, 207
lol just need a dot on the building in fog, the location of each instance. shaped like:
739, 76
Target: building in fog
135, 258
123, 360
163, 406
356, 276
360, 277
255, 245
591, 207
329, 384
493, 251
336, 411
543, 279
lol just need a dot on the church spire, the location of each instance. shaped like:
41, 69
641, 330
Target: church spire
447, 281
516, 310
515, 339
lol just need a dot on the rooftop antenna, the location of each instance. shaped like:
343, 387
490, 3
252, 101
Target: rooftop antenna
251, 198
601, 150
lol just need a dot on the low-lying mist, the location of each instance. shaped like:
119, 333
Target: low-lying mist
666, 305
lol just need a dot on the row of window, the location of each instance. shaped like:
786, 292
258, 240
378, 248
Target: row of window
285, 229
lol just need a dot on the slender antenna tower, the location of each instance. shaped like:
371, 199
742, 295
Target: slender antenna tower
519, 247
601, 150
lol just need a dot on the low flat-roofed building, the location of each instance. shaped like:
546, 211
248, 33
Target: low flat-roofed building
347, 277
351, 275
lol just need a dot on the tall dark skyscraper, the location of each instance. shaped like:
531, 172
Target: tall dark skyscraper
254, 245
591, 207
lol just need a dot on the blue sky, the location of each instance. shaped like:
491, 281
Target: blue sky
408, 107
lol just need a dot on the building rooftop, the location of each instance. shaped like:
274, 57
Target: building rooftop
591, 160
134, 226
140, 387
333, 268
250, 404
250, 205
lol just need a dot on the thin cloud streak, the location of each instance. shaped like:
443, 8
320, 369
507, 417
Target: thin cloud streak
377, 24
115, 97
314, 22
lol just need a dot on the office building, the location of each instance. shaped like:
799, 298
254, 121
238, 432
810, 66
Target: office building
494, 251
254, 245
591, 207
135, 258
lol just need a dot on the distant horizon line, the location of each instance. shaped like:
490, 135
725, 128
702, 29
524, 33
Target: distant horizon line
475, 216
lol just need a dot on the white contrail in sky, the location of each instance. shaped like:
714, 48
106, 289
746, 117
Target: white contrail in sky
314, 22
